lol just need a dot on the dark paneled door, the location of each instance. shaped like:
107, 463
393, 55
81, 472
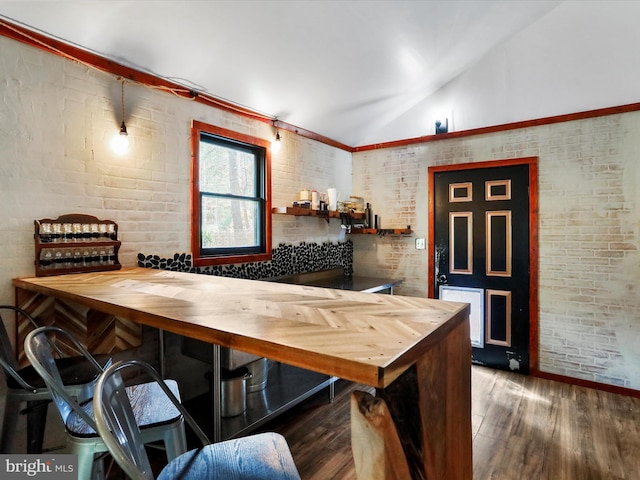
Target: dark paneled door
481, 256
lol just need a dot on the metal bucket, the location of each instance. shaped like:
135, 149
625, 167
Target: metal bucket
259, 371
234, 392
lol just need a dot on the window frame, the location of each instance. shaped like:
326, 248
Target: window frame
236, 255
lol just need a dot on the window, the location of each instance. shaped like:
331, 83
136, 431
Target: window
231, 197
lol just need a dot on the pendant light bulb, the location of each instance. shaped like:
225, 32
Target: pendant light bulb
120, 141
276, 144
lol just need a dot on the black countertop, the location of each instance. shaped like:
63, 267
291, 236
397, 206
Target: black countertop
336, 279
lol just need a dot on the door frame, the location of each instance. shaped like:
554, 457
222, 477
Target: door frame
532, 162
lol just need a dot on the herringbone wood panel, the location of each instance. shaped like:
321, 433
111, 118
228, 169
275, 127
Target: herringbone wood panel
99, 332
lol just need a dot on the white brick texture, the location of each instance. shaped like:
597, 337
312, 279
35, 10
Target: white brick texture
589, 217
56, 120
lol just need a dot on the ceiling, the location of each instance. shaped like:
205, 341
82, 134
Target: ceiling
330, 67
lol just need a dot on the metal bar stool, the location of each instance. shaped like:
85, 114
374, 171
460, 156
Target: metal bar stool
158, 418
27, 394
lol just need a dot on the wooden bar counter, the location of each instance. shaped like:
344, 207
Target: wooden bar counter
415, 351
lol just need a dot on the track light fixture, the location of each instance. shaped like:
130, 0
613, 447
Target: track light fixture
440, 128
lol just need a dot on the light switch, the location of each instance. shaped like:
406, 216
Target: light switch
420, 244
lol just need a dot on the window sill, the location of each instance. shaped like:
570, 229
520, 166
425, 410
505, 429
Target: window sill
226, 260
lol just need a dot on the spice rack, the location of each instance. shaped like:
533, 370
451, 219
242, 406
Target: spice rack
75, 243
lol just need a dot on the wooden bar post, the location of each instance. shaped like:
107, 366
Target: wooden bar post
419, 427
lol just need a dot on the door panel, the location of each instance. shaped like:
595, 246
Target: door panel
498, 317
481, 241
499, 245
461, 242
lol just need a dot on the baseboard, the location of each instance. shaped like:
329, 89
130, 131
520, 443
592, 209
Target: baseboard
587, 383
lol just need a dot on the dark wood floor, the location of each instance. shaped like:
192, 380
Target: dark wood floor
524, 428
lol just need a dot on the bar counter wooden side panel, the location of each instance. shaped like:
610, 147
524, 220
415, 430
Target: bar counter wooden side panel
428, 409
101, 333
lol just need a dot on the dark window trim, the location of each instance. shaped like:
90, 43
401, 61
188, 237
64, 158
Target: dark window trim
199, 128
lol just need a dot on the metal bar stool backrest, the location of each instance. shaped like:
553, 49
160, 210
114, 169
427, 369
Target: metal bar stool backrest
26, 392
264, 456
42, 352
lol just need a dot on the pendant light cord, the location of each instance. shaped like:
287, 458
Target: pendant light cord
122, 97
123, 126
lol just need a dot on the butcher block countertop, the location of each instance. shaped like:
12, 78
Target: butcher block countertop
365, 338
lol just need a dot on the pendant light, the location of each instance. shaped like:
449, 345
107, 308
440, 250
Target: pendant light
276, 144
120, 141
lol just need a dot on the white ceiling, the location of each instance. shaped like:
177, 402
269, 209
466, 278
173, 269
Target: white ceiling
330, 67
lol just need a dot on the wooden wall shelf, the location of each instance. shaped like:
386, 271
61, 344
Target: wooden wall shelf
307, 212
382, 231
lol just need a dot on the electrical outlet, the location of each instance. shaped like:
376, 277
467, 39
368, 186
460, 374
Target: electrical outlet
420, 244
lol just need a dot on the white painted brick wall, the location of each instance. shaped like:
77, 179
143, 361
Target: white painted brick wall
56, 120
589, 216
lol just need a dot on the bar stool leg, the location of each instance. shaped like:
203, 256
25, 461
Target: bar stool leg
10, 425
36, 423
